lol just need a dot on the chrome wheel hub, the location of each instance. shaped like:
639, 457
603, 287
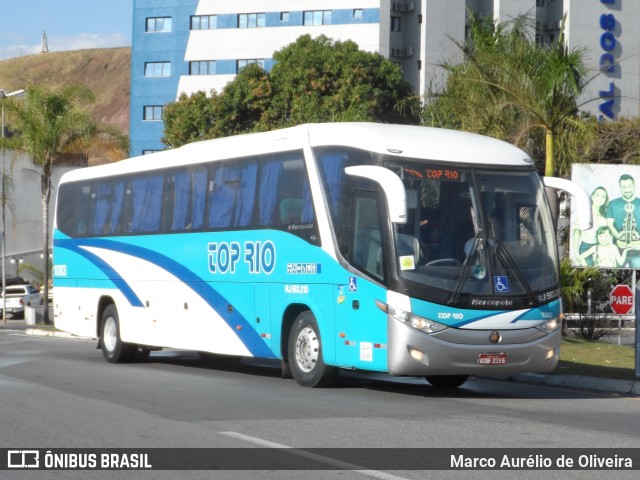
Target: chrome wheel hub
110, 334
307, 349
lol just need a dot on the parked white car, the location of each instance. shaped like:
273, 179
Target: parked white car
18, 297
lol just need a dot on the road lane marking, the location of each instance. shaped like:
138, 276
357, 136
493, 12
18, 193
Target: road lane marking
315, 457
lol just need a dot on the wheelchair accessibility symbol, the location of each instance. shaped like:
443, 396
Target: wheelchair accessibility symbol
501, 284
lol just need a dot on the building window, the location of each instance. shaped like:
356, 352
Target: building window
153, 113
149, 152
357, 13
204, 22
202, 67
157, 69
250, 20
240, 64
317, 17
158, 24
396, 24
284, 16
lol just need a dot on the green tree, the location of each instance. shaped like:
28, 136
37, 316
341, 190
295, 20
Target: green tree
617, 142
187, 120
312, 80
574, 283
316, 80
242, 106
50, 124
510, 87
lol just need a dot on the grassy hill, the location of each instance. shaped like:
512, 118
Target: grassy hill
106, 71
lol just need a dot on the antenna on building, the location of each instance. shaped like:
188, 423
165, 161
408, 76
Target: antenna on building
45, 44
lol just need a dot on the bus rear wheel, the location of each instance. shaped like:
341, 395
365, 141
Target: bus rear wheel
113, 348
446, 381
305, 353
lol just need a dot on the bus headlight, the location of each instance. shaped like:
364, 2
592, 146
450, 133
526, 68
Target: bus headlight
550, 326
423, 324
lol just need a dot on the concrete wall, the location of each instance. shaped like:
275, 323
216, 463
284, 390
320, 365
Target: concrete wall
23, 214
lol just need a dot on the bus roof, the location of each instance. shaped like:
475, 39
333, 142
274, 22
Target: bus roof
401, 140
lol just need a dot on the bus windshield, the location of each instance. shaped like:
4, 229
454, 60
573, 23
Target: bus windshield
476, 233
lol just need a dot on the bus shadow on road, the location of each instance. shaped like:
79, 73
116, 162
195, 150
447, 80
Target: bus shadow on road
475, 387
223, 363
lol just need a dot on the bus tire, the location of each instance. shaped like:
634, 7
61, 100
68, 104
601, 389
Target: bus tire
113, 348
446, 381
305, 353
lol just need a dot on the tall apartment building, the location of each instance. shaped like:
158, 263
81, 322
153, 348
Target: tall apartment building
189, 45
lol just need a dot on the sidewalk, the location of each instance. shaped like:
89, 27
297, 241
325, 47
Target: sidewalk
610, 385
21, 326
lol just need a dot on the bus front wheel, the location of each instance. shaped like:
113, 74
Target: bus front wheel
114, 349
305, 353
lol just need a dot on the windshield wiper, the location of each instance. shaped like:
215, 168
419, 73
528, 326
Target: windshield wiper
507, 260
462, 280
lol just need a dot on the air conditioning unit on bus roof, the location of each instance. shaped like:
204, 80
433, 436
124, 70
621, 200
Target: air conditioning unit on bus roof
403, 6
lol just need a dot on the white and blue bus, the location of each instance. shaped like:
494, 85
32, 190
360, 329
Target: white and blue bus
385, 248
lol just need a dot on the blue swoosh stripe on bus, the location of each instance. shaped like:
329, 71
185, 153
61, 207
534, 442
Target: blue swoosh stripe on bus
476, 319
111, 273
489, 315
520, 317
500, 312
254, 343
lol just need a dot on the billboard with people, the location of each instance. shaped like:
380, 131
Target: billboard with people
613, 241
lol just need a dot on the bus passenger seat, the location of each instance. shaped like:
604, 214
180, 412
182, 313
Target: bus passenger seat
291, 210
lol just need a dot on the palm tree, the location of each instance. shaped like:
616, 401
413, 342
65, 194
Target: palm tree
508, 85
49, 125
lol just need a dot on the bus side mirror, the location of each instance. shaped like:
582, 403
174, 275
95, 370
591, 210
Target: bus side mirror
392, 187
582, 199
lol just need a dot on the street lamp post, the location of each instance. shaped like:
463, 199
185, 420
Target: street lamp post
4, 95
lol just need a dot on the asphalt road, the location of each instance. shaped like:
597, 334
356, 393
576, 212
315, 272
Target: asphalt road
60, 393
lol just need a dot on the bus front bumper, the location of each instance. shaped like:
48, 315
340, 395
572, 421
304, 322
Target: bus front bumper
470, 352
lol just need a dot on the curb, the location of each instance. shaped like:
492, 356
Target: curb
44, 332
611, 385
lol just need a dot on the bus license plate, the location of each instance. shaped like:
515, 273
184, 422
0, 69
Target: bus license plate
492, 359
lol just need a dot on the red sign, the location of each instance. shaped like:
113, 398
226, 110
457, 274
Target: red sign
621, 299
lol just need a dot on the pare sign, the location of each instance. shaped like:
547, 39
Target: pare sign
621, 299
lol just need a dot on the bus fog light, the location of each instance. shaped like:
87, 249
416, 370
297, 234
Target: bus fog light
419, 356
551, 353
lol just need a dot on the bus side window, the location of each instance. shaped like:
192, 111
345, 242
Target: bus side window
168, 203
284, 197
290, 210
232, 195
187, 211
73, 209
147, 203
108, 199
